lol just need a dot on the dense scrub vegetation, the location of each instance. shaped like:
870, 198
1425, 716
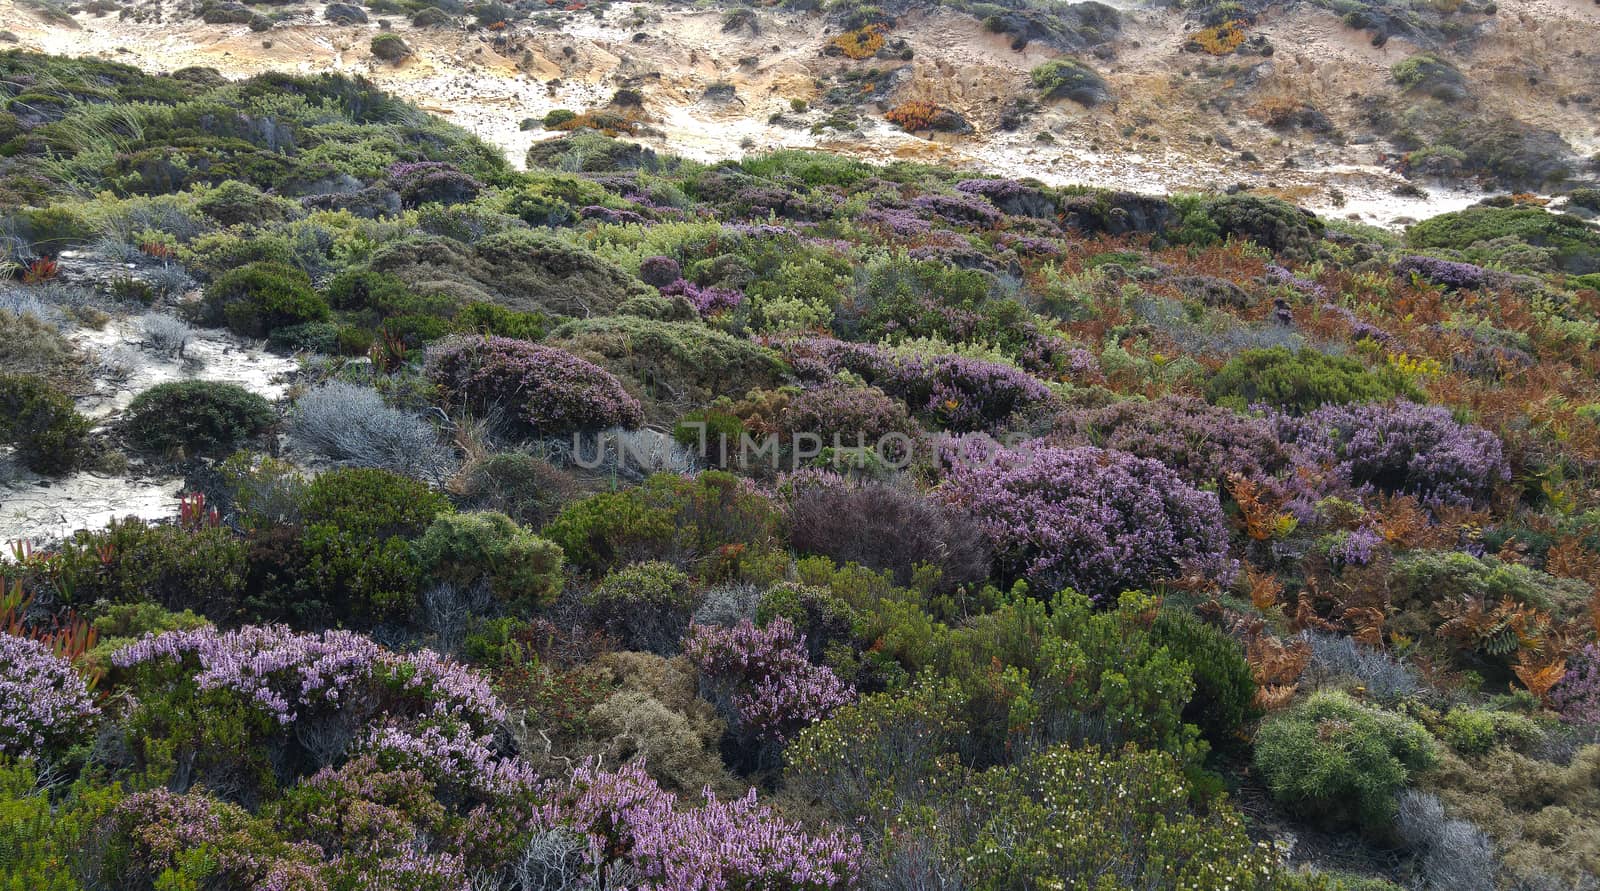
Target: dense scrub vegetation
783, 523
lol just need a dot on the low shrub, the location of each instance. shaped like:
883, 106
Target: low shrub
884, 527
771, 689
200, 417
1300, 381
1403, 448
132, 562
1340, 761
1070, 79
528, 489
389, 48
1223, 704
354, 425
1575, 245
256, 299
645, 606
1202, 443
1139, 827
358, 525
1098, 522
677, 519
543, 391
521, 569
42, 423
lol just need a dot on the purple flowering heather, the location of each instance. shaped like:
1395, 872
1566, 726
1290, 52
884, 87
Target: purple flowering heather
425, 711
1448, 273
959, 393
1097, 521
643, 838
612, 215
775, 690
1355, 548
958, 209
426, 182
548, 391
1202, 443
1281, 275
849, 413
1401, 448
44, 703
898, 221
1032, 245
706, 300
659, 271
1577, 696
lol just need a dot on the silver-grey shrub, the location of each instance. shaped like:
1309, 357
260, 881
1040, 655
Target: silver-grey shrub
1334, 657
353, 425
1452, 855
165, 334
726, 605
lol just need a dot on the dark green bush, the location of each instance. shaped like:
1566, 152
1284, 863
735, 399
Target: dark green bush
520, 568
646, 606
200, 417
1301, 381
42, 423
1576, 245
358, 527
1223, 704
1341, 761
555, 117
815, 612
131, 562
529, 490
255, 300
1070, 79
682, 520
390, 47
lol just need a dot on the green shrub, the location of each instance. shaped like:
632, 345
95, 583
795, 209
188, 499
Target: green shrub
1422, 579
235, 203
1224, 687
815, 612
520, 568
529, 490
1576, 244
879, 756
256, 299
358, 525
1133, 825
555, 117
1269, 222
682, 520
134, 562
389, 47
646, 606
200, 417
1301, 381
1339, 760
1070, 79
42, 423
45, 829
680, 360
1473, 731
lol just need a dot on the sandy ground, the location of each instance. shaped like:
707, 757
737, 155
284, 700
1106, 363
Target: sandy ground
1160, 136
43, 509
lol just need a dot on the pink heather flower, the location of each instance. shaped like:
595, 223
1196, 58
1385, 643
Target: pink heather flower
649, 840
775, 689
43, 701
